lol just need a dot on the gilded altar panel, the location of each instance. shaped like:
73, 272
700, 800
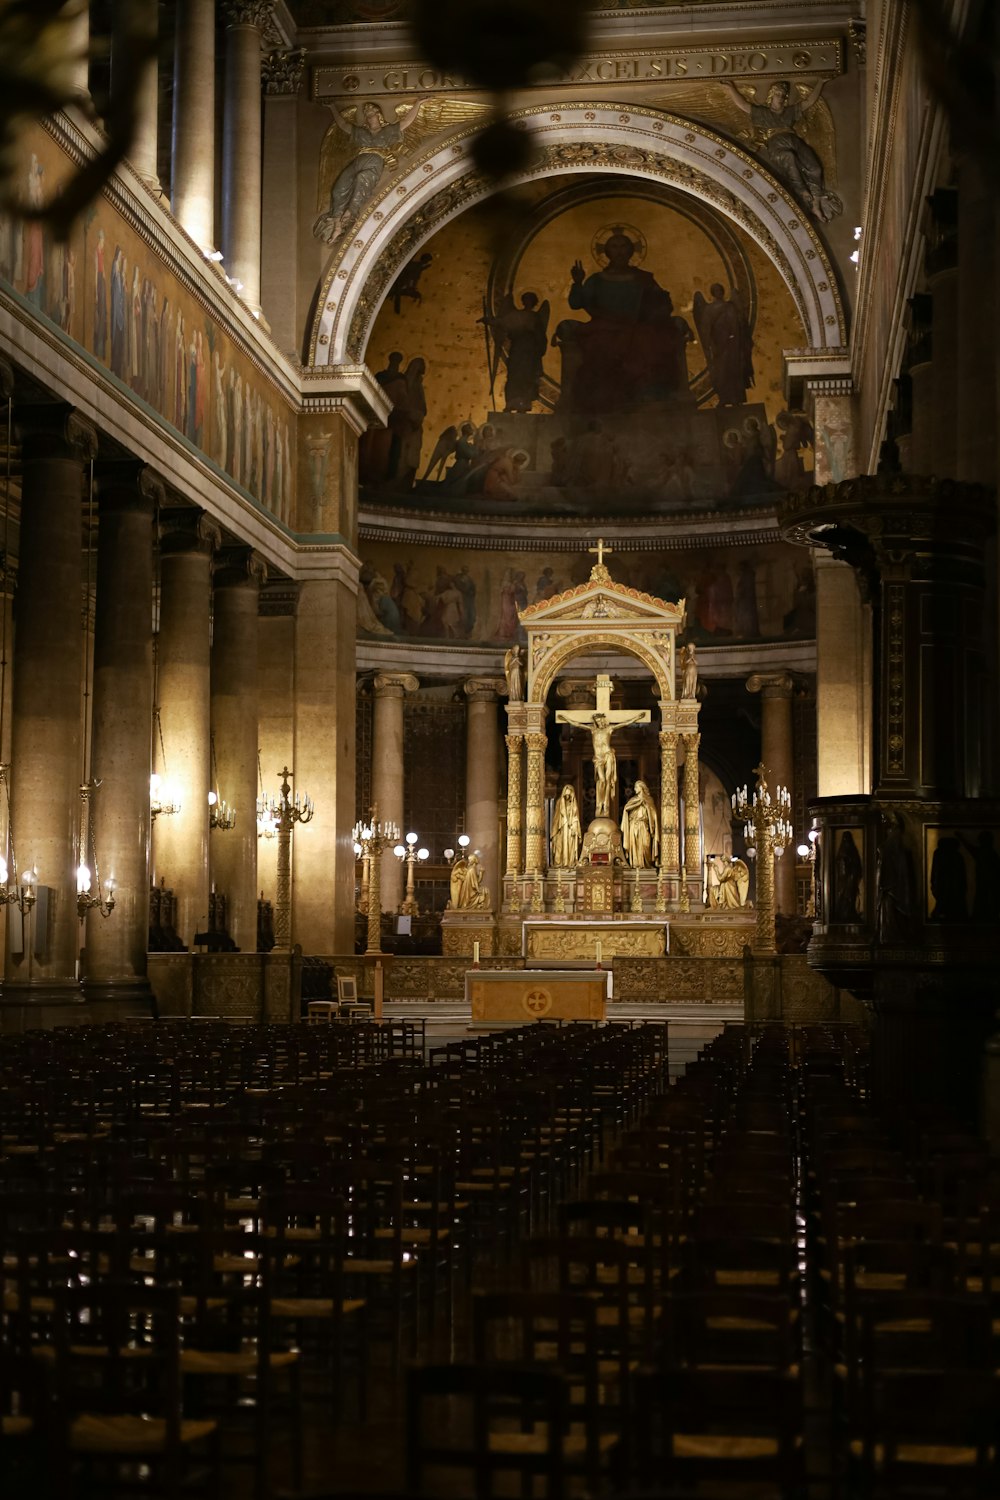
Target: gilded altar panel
578, 942
678, 981
701, 940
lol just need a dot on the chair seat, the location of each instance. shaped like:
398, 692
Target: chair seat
231, 1362
313, 1307
728, 1446
415, 1235
16, 1427
607, 1316
361, 1267
12, 1303
526, 1444
940, 1455
99, 1433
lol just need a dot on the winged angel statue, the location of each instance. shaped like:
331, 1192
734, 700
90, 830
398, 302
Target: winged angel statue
361, 145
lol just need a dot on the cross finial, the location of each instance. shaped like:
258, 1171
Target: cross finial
600, 549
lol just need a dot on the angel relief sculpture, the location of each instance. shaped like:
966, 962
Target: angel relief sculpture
775, 135
376, 143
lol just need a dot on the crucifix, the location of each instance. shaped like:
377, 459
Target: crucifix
602, 723
600, 550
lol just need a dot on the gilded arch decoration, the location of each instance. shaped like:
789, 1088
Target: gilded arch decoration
636, 142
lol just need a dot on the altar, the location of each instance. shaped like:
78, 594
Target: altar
519, 995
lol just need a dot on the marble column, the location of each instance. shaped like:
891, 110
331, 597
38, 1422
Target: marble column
843, 619
977, 345
45, 744
515, 759
778, 755
535, 862
692, 815
188, 543
323, 861
239, 573
387, 771
241, 146
941, 263
283, 76
115, 969
193, 133
77, 47
482, 771
134, 71
919, 365
669, 821
275, 707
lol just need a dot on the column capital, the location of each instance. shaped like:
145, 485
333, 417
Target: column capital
484, 689
692, 739
283, 71
129, 485
771, 684
55, 430
576, 694
247, 12
536, 741
668, 739
395, 684
239, 567
189, 530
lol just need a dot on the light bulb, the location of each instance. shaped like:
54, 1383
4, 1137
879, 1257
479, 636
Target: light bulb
213, 798
399, 851
83, 879
411, 838
423, 854
464, 841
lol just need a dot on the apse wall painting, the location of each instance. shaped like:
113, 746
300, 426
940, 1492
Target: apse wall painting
733, 594
108, 292
607, 353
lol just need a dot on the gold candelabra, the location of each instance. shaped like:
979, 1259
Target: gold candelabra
767, 831
86, 898
284, 812
411, 855
371, 839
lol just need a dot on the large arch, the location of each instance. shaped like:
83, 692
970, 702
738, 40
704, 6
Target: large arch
584, 645
572, 138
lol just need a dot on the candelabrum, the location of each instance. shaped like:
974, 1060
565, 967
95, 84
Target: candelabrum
283, 813
164, 793
767, 832
371, 839
807, 854
15, 889
410, 854
220, 814
87, 899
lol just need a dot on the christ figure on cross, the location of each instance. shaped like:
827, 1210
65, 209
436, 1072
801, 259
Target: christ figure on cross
602, 725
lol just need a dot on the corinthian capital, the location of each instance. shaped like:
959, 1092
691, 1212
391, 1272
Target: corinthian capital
283, 71
248, 12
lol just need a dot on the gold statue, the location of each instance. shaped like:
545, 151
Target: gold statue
467, 890
727, 883
689, 678
565, 840
513, 669
641, 829
602, 725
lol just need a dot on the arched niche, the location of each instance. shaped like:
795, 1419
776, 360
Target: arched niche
637, 142
562, 654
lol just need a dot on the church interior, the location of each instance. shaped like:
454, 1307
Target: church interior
499, 744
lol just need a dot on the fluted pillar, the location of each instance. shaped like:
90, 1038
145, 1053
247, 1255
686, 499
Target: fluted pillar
193, 184
942, 283
669, 810
387, 771
180, 840
115, 969
778, 754
977, 352
241, 146
45, 747
239, 574
77, 46
692, 815
134, 73
482, 769
283, 76
534, 804
515, 795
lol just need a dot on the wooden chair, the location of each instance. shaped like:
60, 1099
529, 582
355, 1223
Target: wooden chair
497, 1420
117, 1379
731, 1427
932, 1433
